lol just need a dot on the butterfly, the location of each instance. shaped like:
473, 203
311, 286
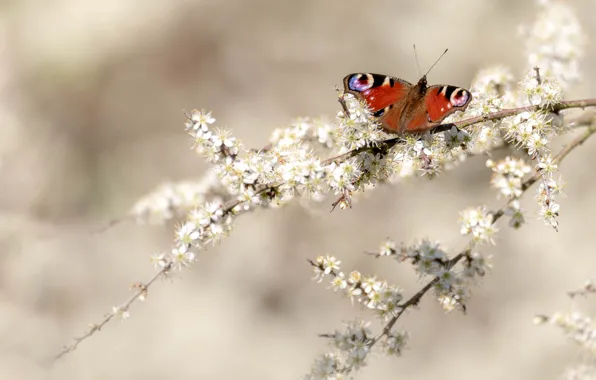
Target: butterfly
401, 107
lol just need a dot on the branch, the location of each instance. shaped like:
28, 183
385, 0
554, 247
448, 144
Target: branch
514, 111
414, 300
383, 147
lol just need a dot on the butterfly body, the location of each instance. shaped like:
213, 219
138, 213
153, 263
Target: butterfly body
401, 107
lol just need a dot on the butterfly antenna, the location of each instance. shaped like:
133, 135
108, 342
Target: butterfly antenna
437, 61
416, 56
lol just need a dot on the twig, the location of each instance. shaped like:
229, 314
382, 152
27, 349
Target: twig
143, 288
587, 289
112, 223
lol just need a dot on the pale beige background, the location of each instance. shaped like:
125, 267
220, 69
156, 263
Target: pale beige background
92, 99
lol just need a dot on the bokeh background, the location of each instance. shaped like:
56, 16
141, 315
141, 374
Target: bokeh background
93, 94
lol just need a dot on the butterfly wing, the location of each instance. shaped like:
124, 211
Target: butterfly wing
439, 102
383, 94
443, 100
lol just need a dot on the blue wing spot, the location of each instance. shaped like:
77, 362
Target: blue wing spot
359, 83
460, 97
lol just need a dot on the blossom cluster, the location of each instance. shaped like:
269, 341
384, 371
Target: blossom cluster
207, 223
357, 128
508, 174
354, 345
429, 259
478, 223
373, 294
352, 348
175, 200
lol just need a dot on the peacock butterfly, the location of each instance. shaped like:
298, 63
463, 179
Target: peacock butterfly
401, 107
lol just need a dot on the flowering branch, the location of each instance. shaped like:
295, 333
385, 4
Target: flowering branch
383, 147
583, 103
233, 207
373, 293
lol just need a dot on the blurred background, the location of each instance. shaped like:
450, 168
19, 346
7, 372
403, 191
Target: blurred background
93, 95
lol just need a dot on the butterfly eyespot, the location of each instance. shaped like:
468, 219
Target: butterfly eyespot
459, 98
361, 82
